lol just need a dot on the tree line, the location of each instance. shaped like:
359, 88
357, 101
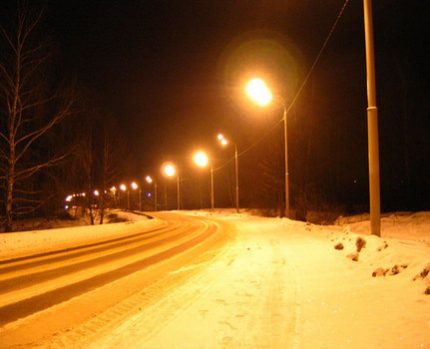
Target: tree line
52, 138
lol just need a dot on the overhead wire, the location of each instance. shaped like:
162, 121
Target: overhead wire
299, 91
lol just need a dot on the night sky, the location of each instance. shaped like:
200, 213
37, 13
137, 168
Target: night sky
171, 73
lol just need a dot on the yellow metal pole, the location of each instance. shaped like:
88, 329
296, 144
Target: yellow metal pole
287, 184
372, 124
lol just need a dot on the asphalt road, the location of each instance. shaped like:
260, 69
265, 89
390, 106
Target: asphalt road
53, 283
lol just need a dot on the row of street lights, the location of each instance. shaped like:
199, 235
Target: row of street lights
258, 91
201, 159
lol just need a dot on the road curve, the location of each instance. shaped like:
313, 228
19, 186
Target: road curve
38, 283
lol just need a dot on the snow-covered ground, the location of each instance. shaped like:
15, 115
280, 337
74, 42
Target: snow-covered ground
21, 243
282, 284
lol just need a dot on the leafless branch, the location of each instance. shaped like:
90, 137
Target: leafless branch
28, 172
8, 39
32, 136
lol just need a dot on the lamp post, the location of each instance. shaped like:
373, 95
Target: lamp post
259, 93
113, 191
135, 186
149, 180
201, 159
372, 124
224, 142
169, 170
123, 188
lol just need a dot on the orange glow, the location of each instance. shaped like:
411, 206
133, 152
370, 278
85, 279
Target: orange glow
169, 169
96, 192
113, 189
258, 92
134, 185
123, 187
148, 179
201, 159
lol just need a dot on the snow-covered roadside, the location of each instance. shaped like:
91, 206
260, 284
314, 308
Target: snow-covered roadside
23, 243
282, 284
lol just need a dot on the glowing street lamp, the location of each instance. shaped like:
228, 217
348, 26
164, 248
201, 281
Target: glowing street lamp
135, 186
169, 170
122, 188
224, 142
150, 180
260, 94
257, 91
113, 191
201, 159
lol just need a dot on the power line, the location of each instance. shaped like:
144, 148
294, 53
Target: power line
299, 91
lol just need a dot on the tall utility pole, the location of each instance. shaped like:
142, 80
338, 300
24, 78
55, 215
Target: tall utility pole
155, 196
178, 193
212, 188
236, 176
287, 182
372, 124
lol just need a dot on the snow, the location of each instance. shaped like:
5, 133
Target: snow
277, 283
23, 243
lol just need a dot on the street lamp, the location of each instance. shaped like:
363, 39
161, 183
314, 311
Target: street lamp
259, 93
123, 188
113, 191
201, 159
150, 180
135, 186
169, 170
224, 142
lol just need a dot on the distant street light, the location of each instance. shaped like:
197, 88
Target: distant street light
201, 159
123, 188
169, 170
224, 142
113, 190
259, 93
150, 180
135, 186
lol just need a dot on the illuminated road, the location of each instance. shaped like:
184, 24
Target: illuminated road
56, 288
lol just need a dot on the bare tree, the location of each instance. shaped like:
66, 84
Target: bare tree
112, 156
28, 113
